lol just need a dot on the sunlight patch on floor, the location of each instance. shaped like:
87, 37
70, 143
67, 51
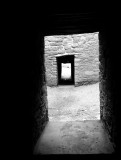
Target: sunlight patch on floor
69, 103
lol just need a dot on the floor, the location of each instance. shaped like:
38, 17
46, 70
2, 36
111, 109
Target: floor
70, 103
74, 125
74, 137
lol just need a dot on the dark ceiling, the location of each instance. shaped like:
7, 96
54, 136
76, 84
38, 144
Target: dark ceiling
65, 23
70, 18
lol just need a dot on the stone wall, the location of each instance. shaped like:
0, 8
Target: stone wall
84, 47
39, 90
106, 85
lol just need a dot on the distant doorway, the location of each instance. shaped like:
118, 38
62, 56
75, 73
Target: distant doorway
65, 70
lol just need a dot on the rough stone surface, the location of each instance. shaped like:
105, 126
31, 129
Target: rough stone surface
106, 87
80, 137
84, 47
39, 103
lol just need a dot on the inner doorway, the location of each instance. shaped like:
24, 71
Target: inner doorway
65, 70
72, 74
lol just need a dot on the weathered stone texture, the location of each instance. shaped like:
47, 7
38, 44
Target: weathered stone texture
39, 96
84, 47
107, 110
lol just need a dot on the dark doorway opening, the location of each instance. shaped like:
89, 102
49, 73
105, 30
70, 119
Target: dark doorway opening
65, 70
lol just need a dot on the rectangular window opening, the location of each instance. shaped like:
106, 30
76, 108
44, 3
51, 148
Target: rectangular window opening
66, 71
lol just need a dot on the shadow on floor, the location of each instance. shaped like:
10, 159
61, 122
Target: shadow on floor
74, 137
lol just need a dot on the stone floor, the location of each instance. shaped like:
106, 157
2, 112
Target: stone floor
74, 126
74, 137
70, 103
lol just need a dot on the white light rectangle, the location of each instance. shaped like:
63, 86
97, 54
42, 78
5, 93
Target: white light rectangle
66, 70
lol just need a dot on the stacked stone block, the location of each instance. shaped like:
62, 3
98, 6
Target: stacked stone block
84, 47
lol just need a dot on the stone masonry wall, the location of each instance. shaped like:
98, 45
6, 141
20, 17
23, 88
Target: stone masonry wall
84, 47
106, 85
39, 91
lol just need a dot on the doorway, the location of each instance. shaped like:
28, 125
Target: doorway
65, 67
